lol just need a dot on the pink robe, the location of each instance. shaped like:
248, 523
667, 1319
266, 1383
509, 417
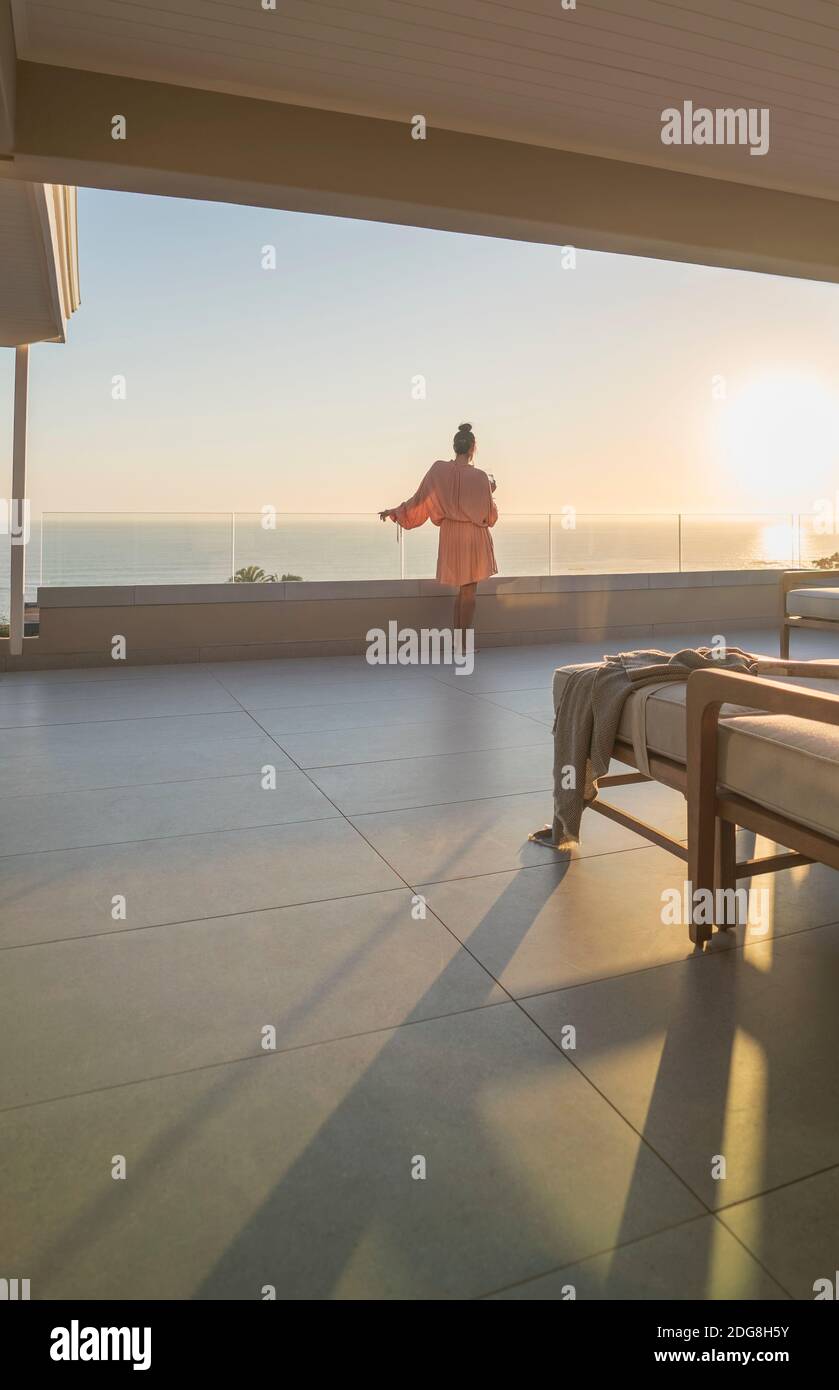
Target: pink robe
457, 497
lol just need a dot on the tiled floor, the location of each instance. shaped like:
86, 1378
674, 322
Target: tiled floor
216, 970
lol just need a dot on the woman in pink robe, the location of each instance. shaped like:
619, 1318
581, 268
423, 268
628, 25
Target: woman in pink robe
457, 497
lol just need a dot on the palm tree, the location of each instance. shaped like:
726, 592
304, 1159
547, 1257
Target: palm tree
252, 574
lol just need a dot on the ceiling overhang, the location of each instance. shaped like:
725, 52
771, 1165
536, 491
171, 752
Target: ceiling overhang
543, 124
591, 76
188, 142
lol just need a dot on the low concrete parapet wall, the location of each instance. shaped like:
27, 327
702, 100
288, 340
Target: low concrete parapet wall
233, 622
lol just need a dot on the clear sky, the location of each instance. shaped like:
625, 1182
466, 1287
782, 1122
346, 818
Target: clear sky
620, 385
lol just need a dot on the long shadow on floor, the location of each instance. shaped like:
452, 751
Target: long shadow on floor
338, 1155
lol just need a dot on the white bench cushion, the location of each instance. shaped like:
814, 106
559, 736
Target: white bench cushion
813, 603
665, 715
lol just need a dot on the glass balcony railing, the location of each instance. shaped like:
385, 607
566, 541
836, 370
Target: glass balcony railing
316, 546
587, 543
119, 548
136, 548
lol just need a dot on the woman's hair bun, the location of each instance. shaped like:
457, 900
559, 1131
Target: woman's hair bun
464, 440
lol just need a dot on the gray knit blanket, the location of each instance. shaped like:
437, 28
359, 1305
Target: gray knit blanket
588, 715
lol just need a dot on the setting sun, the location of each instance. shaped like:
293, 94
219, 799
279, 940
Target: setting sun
779, 435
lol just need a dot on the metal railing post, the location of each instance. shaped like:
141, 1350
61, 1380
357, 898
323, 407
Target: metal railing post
18, 511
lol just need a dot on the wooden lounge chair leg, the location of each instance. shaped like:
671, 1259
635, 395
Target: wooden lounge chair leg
785, 641
702, 814
725, 868
708, 691
702, 874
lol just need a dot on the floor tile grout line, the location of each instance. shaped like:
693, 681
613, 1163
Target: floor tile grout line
230, 776
260, 1056
612, 1106
352, 689
165, 671
358, 728
695, 954
302, 902
778, 1187
413, 892
486, 696
378, 892
774, 1277
389, 811
186, 742
504, 690
490, 697
209, 917
180, 714
276, 738
613, 1250
116, 719
414, 757
520, 868
430, 805
337, 808
265, 825
130, 786
176, 835
425, 757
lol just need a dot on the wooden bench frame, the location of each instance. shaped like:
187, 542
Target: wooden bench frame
792, 579
714, 813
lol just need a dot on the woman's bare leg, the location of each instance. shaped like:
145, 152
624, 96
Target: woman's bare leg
465, 618
468, 597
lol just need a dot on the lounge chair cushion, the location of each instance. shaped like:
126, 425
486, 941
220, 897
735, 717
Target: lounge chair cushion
814, 603
789, 765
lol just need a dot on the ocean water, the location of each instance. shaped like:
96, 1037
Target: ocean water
185, 548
